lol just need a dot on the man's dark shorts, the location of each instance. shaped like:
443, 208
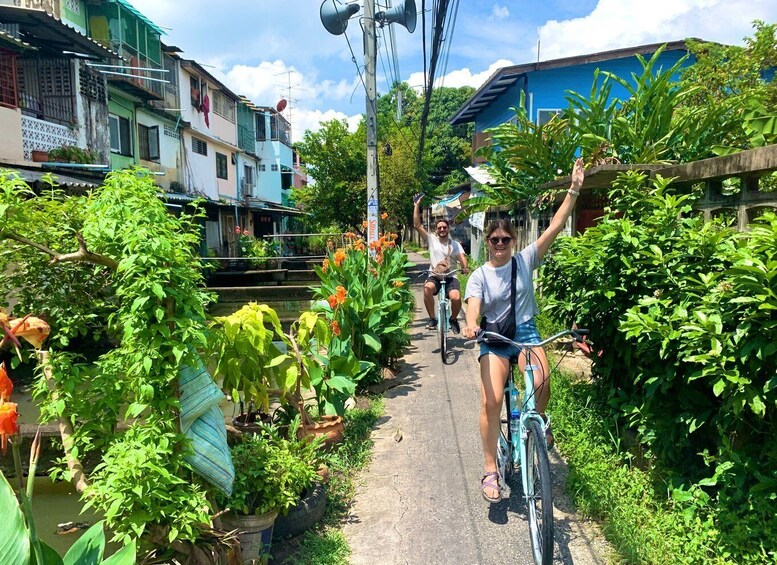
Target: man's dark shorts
451, 283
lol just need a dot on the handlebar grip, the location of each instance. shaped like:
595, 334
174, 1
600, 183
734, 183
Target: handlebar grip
579, 334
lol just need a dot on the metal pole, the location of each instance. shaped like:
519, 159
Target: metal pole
372, 137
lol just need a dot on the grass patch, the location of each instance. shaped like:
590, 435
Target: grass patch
325, 544
640, 520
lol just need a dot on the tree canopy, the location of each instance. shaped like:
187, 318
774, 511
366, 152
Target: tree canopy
336, 158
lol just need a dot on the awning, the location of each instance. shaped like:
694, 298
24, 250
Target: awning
480, 174
44, 30
32, 177
258, 204
450, 203
8, 39
140, 16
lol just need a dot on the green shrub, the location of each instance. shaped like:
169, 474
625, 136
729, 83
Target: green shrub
683, 311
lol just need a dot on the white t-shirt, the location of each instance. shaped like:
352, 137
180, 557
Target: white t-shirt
439, 251
492, 286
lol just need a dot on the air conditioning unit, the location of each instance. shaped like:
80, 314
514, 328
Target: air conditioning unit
247, 188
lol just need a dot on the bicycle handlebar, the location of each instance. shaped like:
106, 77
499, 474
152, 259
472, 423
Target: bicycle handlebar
577, 334
438, 275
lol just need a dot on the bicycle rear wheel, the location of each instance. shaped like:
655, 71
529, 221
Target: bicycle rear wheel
539, 496
442, 330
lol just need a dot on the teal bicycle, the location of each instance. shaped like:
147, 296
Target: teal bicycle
522, 444
443, 311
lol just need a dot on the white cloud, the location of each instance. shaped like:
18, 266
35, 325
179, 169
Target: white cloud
311, 120
500, 12
461, 77
624, 23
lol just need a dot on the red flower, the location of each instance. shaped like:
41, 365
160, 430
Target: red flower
341, 294
9, 423
335, 327
6, 386
237, 230
332, 301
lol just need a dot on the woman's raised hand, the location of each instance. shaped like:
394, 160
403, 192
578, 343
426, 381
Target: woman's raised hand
578, 174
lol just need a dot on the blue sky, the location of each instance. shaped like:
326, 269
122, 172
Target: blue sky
268, 49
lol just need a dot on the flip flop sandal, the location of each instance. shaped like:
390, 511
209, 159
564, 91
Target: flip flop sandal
492, 482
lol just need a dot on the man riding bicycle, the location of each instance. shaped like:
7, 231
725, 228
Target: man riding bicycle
444, 251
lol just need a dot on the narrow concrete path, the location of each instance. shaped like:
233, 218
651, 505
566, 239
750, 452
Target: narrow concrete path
419, 500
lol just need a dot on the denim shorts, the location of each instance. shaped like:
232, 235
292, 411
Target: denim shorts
525, 333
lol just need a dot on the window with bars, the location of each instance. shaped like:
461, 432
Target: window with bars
8, 93
148, 142
261, 127
93, 84
223, 106
221, 166
199, 146
46, 90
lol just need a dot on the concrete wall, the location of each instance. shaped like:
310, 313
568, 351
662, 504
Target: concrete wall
125, 108
170, 162
11, 148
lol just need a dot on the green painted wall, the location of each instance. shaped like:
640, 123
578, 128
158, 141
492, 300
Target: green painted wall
68, 15
125, 108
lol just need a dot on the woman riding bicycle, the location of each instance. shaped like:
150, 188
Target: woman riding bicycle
488, 294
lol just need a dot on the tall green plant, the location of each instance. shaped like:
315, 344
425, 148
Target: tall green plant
142, 267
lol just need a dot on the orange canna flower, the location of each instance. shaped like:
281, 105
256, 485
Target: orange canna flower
6, 386
383, 216
341, 294
339, 257
9, 423
335, 327
350, 235
359, 245
332, 299
398, 284
325, 265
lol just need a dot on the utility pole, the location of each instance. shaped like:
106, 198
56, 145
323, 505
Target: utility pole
370, 48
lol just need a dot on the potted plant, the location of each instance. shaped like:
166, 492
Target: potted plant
270, 474
71, 154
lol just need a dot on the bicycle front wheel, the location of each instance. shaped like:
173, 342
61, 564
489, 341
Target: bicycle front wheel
539, 495
442, 330
504, 447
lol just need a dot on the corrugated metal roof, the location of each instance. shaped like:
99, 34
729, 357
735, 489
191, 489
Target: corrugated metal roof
31, 177
140, 16
8, 38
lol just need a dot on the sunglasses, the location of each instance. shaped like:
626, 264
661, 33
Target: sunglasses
502, 240
442, 227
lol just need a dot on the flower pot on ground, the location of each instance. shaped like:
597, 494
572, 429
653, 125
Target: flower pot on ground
329, 427
271, 473
40, 156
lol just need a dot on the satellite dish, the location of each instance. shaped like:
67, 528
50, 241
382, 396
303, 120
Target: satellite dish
281, 106
335, 15
403, 14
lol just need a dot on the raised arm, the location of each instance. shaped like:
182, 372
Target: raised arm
417, 217
564, 211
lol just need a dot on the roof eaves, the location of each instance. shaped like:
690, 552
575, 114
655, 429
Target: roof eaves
140, 16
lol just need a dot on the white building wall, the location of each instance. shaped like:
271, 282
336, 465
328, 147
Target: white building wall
169, 148
200, 170
11, 126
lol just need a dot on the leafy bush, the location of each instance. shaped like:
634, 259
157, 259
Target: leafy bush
271, 472
684, 312
367, 299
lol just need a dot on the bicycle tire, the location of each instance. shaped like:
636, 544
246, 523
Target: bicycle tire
441, 330
539, 494
504, 456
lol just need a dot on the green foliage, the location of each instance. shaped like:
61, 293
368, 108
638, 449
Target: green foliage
151, 307
685, 310
72, 154
16, 539
325, 543
376, 306
271, 472
247, 359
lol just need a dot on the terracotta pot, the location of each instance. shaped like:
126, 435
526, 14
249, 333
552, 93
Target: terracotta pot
39, 156
329, 426
251, 422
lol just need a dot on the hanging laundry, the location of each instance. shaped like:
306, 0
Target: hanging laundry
206, 109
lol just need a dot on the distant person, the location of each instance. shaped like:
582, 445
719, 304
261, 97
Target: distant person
444, 252
488, 294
